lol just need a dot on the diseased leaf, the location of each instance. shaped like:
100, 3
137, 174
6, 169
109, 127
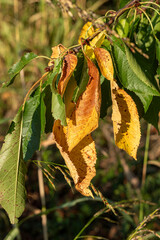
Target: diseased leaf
57, 52
31, 126
89, 31
125, 119
86, 115
105, 64
69, 65
17, 67
80, 161
12, 171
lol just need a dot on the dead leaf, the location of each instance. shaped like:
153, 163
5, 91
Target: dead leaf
89, 31
80, 161
57, 51
69, 65
125, 118
86, 115
105, 64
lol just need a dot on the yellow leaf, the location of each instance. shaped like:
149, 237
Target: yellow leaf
69, 65
86, 115
57, 51
105, 64
80, 161
125, 118
89, 31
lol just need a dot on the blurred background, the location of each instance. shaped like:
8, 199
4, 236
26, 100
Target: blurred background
37, 26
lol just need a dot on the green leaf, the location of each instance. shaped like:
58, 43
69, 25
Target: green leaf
31, 125
152, 114
158, 50
43, 113
58, 106
17, 67
12, 171
105, 95
131, 75
48, 103
122, 27
81, 81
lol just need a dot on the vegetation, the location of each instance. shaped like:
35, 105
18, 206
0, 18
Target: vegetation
108, 76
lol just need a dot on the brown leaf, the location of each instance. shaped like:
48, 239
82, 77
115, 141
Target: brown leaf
105, 64
80, 161
86, 115
69, 65
125, 121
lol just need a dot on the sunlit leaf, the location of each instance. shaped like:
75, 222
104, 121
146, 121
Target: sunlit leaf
105, 64
17, 67
86, 115
12, 171
125, 121
69, 65
80, 161
89, 31
57, 52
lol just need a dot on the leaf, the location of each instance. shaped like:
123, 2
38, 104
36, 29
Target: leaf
80, 161
58, 107
69, 65
125, 119
12, 172
17, 67
131, 75
43, 113
89, 31
31, 126
57, 52
152, 114
106, 97
122, 27
48, 114
86, 115
105, 64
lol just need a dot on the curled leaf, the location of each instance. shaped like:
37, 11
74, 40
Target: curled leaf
69, 65
86, 115
105, 64
125, 121
89, 31
80, 161
57, 51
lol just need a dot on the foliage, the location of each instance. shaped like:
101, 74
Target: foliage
112, 57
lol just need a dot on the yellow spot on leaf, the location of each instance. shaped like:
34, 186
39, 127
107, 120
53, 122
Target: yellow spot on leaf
125, 118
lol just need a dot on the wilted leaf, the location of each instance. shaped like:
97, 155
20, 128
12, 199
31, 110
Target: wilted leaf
69, 65
80, 161
12, 172
57, 51
89, 31
125, 121
86, 115
105, 64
